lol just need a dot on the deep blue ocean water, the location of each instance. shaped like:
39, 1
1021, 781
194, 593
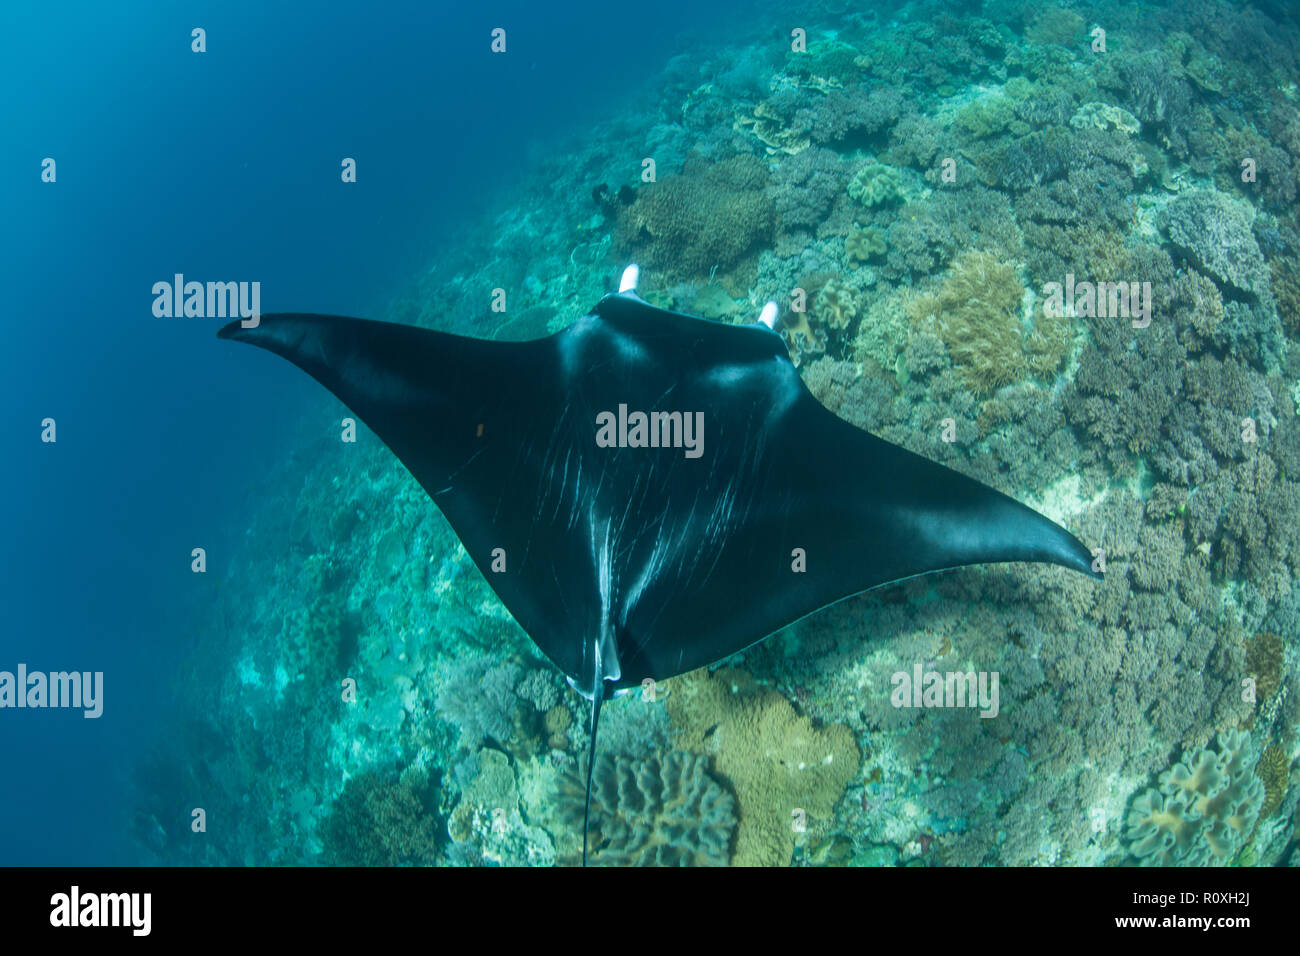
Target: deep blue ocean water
221, 166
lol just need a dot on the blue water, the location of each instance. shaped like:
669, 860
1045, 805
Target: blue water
221, 166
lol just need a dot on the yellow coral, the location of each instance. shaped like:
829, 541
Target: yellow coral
780, 767
976, 313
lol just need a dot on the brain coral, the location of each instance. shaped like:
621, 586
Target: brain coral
653, 811
710, 215
775, 760
1201, 814
1214, 232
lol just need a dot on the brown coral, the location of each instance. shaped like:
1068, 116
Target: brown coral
652, 811
1264, 664
800, 337
557, 723
783, 770
710, 217
1275, 770
835, 304
774, 130
976, 313
382, 820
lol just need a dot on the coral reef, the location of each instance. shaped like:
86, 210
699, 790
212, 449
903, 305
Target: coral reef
876, 184
383, 819
921, 179
657, 810
708, 217
1201, 813
1274, 770
776, 761
976, 312
1214, 232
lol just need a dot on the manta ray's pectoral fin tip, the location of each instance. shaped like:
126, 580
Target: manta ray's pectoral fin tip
230, 330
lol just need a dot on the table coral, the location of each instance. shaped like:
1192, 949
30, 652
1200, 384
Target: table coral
1214, 232
775, 760
1204, 810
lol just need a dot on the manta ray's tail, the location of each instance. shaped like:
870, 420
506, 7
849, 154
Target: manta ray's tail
591, 766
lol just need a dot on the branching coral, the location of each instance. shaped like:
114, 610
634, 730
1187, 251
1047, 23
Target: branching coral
653, 811
775, 760
712, 215
1204, 810
853, 115
382, 820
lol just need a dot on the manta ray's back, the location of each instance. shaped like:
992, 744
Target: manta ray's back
649, 492
627, 561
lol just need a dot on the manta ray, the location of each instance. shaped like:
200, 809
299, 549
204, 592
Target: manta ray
649, 492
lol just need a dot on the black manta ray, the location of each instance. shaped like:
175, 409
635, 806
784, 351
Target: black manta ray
649, 492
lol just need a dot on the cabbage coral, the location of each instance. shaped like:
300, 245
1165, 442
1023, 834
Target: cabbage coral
1204, 810
876, 184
